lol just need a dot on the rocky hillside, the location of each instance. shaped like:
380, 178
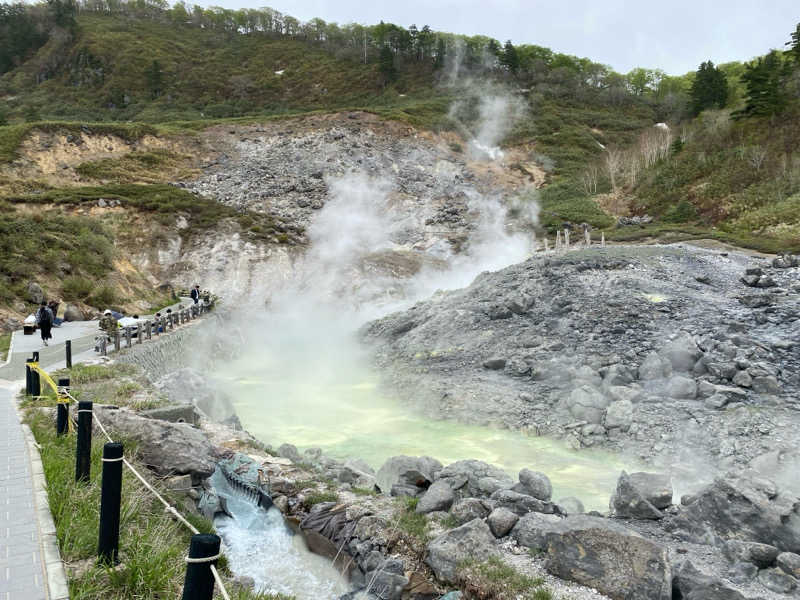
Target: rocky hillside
660, 352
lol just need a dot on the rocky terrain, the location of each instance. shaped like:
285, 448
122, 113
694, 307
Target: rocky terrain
660, 352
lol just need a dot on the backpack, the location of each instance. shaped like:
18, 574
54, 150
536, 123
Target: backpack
45, 316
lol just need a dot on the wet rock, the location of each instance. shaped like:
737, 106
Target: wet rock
501, 521
777, 581
471, 541
532, 529
766, 282
474, 478
438, 497
571, 505
608, 557
468, 509
785, 261
789, 563
586, 404
412, 471
534, 484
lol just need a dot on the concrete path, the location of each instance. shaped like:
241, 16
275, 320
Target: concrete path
22, 572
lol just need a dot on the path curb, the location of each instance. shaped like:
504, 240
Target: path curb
55, 574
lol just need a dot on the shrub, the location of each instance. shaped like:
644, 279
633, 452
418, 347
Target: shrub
103, 296
682, 212
76, 288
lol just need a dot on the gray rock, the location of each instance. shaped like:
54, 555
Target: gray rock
619, 415
628, 502
618, 375
468, 509
766, 282
608, 557
777, 581
630, 393
357, 473
722, 369
766, 385
289, 451
532, 529
522, 504
692, 584
189, 386
681, 387
386, 585
743, 508
682, 352
501, 521
471, 541
35, 293
474, 478
761, 555
742, 572
72, 313
586, 404
181, 413
655, 487
789, 562
571, 505
742, 379
438, 497
654, 368
536, 484
716, 401
167, 448
415, 471
494, 364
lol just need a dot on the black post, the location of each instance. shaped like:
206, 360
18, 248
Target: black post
116, 340
149, 330
83, 451
199, 584
36, 383
28, 377
68, 347
110, 497
139, 332
62, 416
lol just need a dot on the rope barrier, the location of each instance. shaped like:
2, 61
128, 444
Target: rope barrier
167, 506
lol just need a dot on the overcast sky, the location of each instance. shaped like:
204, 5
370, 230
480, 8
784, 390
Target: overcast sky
674, 35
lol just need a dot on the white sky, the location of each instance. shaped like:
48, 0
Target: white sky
673, 35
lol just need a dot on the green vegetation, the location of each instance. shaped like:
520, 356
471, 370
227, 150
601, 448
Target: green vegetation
145, 167
5, 345
318, 497
495, 580
409, 522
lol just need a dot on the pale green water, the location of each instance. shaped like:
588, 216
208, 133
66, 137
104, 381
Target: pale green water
352, 420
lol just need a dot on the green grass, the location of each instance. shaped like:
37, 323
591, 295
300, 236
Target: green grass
410, 522
82, 374
5, 344
140, 167
319, 497
495, 580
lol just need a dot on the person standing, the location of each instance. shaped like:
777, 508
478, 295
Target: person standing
44, 318
196, 294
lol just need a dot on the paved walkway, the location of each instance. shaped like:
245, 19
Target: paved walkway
22, 574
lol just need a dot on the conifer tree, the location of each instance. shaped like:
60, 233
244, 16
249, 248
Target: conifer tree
509, 57
386, 64
709, 89
794, 45
765, 81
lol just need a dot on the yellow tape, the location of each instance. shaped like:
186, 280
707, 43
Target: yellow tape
62, 398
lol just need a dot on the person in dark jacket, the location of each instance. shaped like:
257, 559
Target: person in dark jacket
44, 318
196, 294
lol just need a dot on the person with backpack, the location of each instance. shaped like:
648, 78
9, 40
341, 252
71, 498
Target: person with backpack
196, 294
44, 319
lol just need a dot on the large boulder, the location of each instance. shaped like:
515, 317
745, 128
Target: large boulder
681, 387
474, 479
501, 521
741, 507
413, 472
73, 313
532, 529
468, 509
641, 495
681, 352
35, 293
613, 559
653, 367
619, 415
167, 448
189, 386
438, 497
472, 541
534, 483
586, 404
693, 584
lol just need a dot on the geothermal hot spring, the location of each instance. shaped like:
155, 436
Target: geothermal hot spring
305, 379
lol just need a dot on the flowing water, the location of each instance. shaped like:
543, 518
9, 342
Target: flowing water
259, 544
